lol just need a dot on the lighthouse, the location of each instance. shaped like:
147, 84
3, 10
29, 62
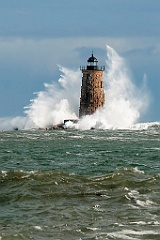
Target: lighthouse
92, 88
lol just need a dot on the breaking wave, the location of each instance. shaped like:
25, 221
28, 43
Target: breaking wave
124, 102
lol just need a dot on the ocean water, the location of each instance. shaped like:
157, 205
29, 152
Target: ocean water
74, 184
77, 183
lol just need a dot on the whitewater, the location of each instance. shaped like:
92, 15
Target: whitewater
102, 183
124, 102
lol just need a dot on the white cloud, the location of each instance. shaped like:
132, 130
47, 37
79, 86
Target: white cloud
40, 56
62, 49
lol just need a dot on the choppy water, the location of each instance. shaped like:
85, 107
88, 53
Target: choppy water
70, 184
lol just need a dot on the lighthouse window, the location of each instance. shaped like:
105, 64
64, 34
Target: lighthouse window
87, 76
87, 96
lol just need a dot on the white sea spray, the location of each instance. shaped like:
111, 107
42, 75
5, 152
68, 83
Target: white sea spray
124, 102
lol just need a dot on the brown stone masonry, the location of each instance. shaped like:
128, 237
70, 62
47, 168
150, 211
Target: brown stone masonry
92, 91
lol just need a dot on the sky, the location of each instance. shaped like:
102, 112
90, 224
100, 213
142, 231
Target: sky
37, 35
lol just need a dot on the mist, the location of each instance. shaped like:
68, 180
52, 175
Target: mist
123, 107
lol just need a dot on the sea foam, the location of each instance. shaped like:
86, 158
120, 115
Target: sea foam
124, 102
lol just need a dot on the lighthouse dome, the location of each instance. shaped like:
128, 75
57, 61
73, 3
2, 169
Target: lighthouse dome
92, 59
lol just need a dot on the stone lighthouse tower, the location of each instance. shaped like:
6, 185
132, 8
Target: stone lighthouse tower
92, 89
